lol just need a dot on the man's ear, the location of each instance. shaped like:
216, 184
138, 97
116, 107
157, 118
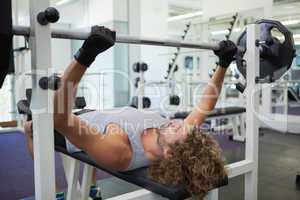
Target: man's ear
167, 152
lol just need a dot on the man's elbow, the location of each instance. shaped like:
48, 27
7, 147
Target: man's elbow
121, 159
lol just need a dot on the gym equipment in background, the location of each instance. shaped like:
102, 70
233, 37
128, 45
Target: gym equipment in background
172, 65
174, 100
232, 23
146, 102
140, 101
140, 67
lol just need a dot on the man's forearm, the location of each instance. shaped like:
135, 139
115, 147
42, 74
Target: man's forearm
212, 91
99, 40
209, 99
64, 96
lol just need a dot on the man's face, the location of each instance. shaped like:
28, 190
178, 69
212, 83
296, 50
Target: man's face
173, 132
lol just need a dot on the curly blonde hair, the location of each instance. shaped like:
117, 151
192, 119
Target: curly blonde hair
195, 163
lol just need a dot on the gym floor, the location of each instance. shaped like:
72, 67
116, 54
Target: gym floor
279, 162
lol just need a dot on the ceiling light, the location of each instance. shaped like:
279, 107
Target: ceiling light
221, 32
185, 16
62, 2
224, 32
290, 22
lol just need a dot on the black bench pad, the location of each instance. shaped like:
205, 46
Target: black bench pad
138, 177
215, 113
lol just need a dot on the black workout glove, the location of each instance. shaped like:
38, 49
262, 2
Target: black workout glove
226, 53
100, 39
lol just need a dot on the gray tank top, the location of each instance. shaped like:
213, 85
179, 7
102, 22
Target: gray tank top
132, 121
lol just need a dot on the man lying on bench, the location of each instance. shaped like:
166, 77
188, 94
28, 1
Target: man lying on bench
176, 151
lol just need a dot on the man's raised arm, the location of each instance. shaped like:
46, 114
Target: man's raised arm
213, 89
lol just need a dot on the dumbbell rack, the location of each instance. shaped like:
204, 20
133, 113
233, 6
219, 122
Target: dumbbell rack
174, 99
232, 23
140, 101
176, 54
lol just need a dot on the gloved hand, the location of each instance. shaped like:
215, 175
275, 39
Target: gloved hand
226, 53
100, 40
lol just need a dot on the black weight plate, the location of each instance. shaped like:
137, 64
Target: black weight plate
275, 57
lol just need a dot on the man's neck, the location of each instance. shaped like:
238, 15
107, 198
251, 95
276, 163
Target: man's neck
151, 148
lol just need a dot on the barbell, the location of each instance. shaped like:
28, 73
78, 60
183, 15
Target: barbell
276, 55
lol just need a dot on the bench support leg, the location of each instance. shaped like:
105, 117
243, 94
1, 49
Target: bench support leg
235, 130
71, 168
239, 128
86, 181
73, 192
243, 126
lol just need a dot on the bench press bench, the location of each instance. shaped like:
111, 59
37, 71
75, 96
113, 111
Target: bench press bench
71, 163
137, 177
